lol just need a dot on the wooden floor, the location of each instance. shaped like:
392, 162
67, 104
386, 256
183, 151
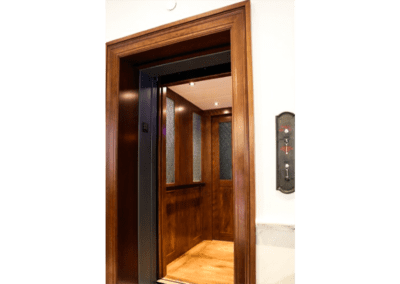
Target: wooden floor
209, 262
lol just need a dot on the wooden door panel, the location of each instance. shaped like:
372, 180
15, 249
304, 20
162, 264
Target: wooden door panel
226, 220
223, 222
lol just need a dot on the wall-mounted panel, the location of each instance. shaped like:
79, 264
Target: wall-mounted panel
285, 152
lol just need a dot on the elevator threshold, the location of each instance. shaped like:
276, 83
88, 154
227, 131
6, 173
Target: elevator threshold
166, 281
209, 262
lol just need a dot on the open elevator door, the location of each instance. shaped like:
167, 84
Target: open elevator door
147, 179
147, 145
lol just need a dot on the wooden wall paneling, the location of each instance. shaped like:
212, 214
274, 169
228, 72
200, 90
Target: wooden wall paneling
206, 175
183, 206
170, 221
215, 179
183, 137
183, 215
128, 173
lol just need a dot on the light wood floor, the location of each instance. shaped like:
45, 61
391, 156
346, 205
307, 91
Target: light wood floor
210, 262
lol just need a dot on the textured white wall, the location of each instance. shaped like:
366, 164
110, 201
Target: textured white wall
273, 66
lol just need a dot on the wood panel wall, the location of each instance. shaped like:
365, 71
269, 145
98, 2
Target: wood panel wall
183, 138
184, 208
187, 217
127, 243
185, 204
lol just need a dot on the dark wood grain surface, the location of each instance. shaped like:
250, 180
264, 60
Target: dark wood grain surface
183, 209
222, 205
128, 174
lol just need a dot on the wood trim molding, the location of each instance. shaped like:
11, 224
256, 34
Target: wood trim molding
235, 18
217, 112
251, 276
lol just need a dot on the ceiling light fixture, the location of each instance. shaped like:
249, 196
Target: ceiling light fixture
216, 103
191, 84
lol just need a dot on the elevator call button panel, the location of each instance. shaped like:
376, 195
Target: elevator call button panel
285, 152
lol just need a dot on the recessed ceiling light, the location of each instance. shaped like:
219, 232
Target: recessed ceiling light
216, 103
191, 84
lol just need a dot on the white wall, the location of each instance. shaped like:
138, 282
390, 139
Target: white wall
126, 17
273, 66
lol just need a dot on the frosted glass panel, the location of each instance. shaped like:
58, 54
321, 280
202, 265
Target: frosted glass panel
170, 155
225, 150
196, 147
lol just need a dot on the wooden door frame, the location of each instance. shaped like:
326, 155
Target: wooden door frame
235, 18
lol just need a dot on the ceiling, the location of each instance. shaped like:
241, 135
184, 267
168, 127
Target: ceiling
204, 94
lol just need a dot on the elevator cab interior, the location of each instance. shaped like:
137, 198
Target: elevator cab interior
196, 190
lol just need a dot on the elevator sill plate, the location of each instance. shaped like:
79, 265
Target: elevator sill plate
168, 281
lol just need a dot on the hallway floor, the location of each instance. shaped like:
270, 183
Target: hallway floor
209, 262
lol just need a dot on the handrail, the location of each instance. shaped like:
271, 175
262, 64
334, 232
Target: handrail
183, 186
